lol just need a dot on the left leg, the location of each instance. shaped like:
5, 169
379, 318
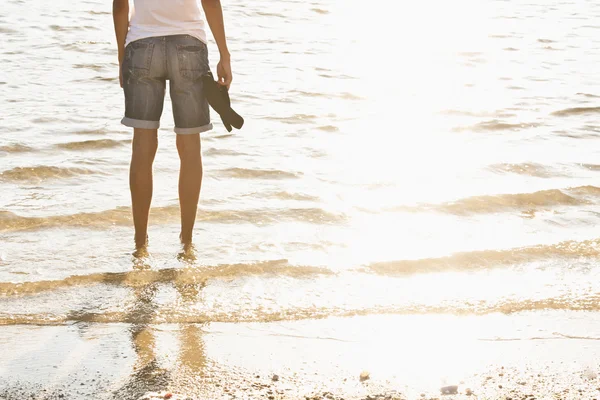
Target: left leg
144, 83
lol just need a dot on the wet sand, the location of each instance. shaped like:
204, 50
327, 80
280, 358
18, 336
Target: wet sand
497, 356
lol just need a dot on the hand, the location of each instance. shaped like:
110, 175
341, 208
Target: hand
224, 72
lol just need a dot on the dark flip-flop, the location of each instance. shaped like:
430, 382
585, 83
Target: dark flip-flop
218, 98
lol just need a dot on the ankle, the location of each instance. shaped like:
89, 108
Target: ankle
141, 241
186, 238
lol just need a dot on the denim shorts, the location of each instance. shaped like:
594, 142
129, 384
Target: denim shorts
148, 64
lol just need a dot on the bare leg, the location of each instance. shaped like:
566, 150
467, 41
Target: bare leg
145, 143
190, 181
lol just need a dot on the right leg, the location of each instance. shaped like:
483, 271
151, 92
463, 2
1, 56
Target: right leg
145, 143
190, 181
188, 62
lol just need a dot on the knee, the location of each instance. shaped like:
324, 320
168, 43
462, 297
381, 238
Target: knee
145, 145
188, 147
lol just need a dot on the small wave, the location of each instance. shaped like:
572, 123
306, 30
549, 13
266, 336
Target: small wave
309, 94
92, 144
592, 128
15, 148
576, 111
225, 136
294, 119
93, 67
60, 28
175, 315
340, 76
170, 275
319, 11
483, 114
45, 120
170, 214
579, 135
223, 152
105, 78
245, 173
493, 126
284, 196
490, 204
41, 173
475, 260
536, 79
100, 131
546, 41
470, 53
343, 95
268, 14
75, 46
329, 128
593, 96
349, 96
575, 196
528, 169
591, 167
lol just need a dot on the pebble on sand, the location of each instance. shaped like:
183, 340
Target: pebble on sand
364, 376
589, 374
449, 389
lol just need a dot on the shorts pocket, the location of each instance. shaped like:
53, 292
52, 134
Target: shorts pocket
138, 58
193, 60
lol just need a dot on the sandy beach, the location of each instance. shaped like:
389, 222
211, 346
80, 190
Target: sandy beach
370, 357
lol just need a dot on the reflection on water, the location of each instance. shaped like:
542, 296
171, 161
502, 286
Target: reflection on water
148, 375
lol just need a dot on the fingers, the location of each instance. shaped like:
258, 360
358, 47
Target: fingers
225, 80
224, 73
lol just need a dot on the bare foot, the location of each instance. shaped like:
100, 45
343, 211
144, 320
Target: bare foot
188, 253
140, 257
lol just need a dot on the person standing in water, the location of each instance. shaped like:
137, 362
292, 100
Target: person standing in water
166, 40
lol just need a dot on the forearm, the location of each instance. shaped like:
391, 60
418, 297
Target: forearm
121, 21
214, 16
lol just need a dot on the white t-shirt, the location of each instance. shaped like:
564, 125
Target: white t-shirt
165, 17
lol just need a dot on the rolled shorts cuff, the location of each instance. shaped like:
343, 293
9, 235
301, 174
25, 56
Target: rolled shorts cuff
191, 131
139, 123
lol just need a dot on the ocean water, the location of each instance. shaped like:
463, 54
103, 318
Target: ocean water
403, 159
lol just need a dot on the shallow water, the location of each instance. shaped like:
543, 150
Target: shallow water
424, 158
